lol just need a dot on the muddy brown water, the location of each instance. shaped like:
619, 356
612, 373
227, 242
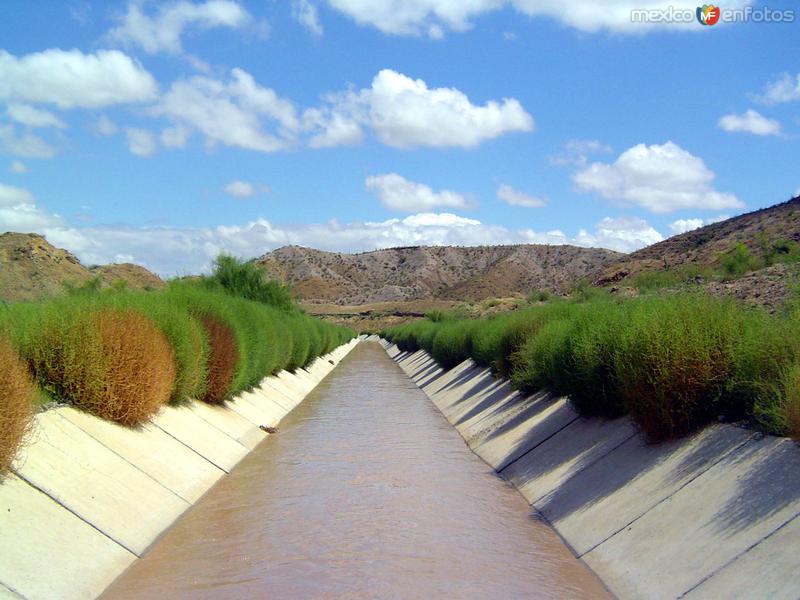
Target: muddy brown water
366, 492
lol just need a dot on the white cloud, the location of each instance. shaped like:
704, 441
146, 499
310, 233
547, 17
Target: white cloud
18, 167
239, 189
140, 141
623, 234
305, 13
18, 211
684, 225
105, 126
162, 31
175, 137
398, 193
72, 79
233, 113
24, 114
511, 196
433, 17
406, 113
749, 122
576, 152
27, 145
171, 251
661, 178
784, 89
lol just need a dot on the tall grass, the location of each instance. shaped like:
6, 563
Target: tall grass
121, 355
247, 280
673, 363
110, 361
16, 396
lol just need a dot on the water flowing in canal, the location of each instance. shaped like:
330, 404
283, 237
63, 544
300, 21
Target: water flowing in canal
366, 492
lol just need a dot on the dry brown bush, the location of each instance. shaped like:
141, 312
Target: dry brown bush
222, 358
140, 367
114, 363
16, 395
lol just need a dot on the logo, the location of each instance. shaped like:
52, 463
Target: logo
708, 14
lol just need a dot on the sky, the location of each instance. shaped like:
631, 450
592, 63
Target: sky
164, 133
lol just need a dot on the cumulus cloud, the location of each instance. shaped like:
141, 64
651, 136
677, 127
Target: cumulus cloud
785, 88
749, 122
305, 13
623, 234
72, 79
398, 193
661, 178
19, 212
170, 251
235, 113
30, 116
26, 144
684, 225
405, 113
433, 17
105, 126
511, 196
18, 167
240, 189
140, 141
162, 31
175, 137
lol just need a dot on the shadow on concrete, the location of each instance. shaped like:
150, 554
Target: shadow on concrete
458, 380
496, 396
579, 444
770, 484
483, 381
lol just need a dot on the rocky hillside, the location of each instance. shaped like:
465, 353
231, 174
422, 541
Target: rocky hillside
411, 273
758, 231
30, 268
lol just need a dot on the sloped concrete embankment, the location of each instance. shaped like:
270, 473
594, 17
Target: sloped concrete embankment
88, 497
713, 515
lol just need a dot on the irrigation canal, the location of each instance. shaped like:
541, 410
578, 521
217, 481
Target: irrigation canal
366, 492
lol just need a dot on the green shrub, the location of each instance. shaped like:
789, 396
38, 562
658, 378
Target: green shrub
247, 280
674, 360
451, 343
737, 262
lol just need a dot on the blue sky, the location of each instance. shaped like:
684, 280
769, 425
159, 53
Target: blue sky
164, 133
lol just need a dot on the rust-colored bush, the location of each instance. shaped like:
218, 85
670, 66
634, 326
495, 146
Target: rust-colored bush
16, 394
222, 357
114, 363
140, 367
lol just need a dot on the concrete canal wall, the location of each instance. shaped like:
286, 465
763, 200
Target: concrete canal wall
713, 515
88, 497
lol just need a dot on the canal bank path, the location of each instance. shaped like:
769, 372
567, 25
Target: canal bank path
366, 492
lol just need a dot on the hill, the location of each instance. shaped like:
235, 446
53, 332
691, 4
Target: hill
759, 231
420, 272
30, 268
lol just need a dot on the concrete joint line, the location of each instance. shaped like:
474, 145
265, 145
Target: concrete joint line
685, 484
110, 449
738, 556
503, 467
12, 590
221, 468
69, 510
592, 463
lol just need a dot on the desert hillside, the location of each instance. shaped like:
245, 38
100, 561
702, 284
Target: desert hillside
30, 268
759, 231
447, 273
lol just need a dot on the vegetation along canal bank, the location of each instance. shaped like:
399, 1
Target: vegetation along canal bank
119, 409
